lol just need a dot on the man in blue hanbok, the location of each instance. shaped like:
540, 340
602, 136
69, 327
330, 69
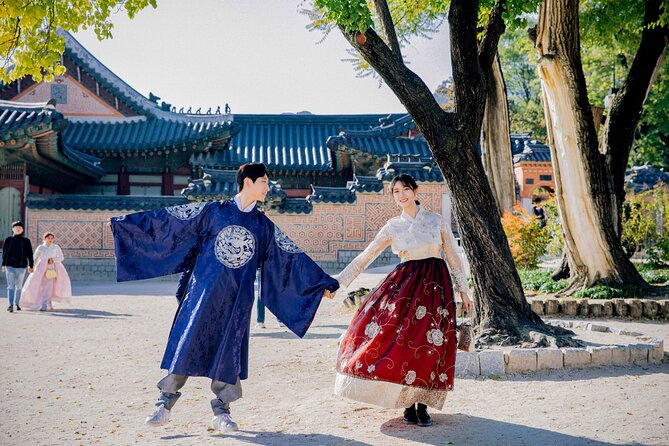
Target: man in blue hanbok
221, 245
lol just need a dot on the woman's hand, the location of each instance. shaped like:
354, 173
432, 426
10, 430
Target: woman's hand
467, 304
50, 261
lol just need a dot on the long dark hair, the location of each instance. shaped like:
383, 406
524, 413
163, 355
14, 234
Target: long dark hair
406, 180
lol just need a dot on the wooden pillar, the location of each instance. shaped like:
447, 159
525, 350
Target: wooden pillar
168, 182
123, 183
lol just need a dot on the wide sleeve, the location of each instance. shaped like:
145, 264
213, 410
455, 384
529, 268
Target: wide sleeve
455, 266
156, 243
291, 284
37, 254
382, 240
29, 249
58, 257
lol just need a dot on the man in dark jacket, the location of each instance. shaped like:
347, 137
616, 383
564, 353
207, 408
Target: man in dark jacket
17, 254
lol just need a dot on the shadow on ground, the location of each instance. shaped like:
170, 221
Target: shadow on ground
280, 438
458, 429
291, 335
81, 314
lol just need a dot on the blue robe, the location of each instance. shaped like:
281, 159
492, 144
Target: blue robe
220, 248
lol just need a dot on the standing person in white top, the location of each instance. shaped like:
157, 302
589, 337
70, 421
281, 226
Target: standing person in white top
50, 281
399, 350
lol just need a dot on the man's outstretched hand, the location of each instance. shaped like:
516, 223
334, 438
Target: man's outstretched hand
329, 294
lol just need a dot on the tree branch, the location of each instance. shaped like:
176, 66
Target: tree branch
469, 84
407, 86
388, 28
625, 113
493, 31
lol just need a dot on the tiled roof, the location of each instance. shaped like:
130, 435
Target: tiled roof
102, 202
331, 195
222, 185
518, 142
390, 137
20, 122
155, 128
285, 142
294, 206
362, 184
106, 77
641, 178
140, 133
19, 117
525, 149
422, 170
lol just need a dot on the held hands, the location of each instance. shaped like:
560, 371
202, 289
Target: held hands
467, 304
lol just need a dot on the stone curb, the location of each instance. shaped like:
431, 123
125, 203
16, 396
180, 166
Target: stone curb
495, 363
629, 308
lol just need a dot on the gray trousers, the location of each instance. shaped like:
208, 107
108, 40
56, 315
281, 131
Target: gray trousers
225, 393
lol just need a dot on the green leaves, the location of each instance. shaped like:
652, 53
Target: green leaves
29, 44
353, 15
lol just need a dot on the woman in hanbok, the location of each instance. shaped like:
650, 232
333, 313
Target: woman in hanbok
399, 350
49, 282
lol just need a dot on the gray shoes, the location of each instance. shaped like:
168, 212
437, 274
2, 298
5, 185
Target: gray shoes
224, 422
159, 417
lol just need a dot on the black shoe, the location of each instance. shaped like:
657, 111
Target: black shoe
18, 308
410, 415
10, 308
423, 417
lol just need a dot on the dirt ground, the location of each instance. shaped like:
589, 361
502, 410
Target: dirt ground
86, 373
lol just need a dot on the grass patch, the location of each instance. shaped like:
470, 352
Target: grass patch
607, 292
655, 276
540, 280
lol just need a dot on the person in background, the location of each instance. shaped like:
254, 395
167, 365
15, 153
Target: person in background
17, 256
539, 212
50, 281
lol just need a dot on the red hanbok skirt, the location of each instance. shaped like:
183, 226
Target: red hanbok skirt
400, 346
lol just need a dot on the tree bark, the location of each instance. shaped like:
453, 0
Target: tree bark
562, 271
502, 314
625, 113
496, 141
583, 186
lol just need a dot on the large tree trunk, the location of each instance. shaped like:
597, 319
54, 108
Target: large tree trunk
583, 186
496, 141
625, 113
502, 314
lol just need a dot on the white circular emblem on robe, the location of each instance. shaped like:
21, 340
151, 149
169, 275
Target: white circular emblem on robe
285, 242
235, 245
186, 211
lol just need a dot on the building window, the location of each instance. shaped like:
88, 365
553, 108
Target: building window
546, 177
529, 181
144, 190
59, 93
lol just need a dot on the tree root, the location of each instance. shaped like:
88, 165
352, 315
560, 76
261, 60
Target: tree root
530, 337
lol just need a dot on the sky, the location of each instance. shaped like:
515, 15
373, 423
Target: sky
256, 55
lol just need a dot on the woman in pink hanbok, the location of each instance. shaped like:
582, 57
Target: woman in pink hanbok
49, 282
